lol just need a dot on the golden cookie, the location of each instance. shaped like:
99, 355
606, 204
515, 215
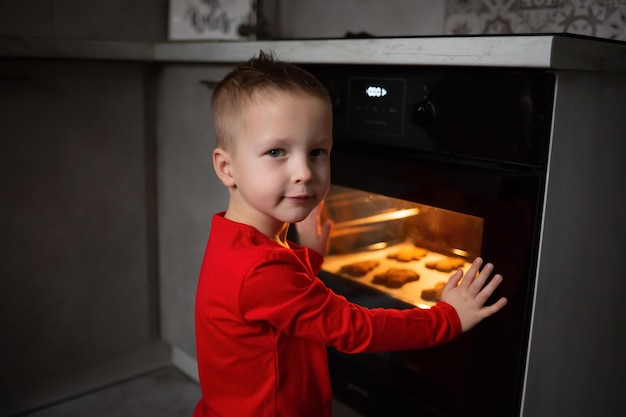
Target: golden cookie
408, 255
447, 264
358, 269
434, 293
395, 277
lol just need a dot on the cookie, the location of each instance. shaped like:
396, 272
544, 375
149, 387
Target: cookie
408, 255
434, 293
358, 269
447, 264
395, 277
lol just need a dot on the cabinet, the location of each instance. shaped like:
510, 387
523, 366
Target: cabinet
189, 194
78, 304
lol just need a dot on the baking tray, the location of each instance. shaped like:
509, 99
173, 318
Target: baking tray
410, 292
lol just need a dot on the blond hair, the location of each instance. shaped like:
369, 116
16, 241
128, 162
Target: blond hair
261, 74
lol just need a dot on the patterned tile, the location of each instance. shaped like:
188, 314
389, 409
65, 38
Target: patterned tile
600, 18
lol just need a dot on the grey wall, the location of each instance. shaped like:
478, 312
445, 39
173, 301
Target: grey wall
147, 20
328, 18
115, 20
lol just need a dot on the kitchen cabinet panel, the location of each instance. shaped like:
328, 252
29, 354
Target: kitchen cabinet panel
78, 269
189, 191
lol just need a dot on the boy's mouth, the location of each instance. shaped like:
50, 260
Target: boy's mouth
299, 197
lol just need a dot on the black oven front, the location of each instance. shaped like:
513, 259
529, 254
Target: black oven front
448, 163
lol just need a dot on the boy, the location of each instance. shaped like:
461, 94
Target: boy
263, 318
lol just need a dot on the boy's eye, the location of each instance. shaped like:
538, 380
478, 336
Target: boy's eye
318, 152
276, 153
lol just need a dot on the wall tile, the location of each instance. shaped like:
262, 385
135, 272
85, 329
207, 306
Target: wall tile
600, 18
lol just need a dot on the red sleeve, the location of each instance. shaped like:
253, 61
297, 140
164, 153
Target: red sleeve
283, 293
316, 260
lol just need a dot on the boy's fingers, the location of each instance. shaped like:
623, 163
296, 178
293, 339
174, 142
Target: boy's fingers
453, 281
471, 272
494, 308
480, 279
488, 290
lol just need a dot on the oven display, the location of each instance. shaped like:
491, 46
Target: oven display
376, 105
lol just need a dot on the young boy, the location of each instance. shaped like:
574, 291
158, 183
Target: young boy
263, 318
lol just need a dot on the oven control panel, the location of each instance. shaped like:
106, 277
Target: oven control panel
486, 114
376, 105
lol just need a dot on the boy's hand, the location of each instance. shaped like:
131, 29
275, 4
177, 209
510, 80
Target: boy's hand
313, 235
469, 297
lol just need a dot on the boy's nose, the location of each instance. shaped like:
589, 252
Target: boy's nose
302, 172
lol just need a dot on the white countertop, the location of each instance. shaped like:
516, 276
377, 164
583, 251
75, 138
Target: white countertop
525, 51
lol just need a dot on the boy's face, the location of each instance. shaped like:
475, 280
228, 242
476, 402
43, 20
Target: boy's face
280, 167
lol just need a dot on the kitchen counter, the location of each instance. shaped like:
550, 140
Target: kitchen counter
525, 51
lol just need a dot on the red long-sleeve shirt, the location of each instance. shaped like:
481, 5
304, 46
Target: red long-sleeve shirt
263, 321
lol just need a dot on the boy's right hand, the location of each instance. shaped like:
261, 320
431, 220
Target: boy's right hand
469, 297
312, 233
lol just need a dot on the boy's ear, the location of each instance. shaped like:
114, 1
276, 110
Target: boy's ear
221, 164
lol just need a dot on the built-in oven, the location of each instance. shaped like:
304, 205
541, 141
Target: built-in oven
431, 167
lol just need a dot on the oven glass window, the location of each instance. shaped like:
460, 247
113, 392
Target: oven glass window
405, 249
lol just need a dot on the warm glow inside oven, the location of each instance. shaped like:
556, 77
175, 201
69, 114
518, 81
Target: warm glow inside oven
405, 249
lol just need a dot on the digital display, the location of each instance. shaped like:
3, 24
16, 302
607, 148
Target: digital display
376, 105
376, 91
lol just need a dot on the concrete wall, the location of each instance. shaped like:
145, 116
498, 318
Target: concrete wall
323, 19
147, 20
115, 20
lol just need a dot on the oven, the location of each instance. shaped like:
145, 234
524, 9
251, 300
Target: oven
431, 167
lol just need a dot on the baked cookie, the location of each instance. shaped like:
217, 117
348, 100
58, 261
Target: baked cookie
358, 269
408, 255
395, 277
447, 264
434, 293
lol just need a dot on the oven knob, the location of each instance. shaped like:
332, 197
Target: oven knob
424, 113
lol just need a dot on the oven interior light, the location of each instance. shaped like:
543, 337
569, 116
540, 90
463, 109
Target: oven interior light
460, 252
377, 246
392, 215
